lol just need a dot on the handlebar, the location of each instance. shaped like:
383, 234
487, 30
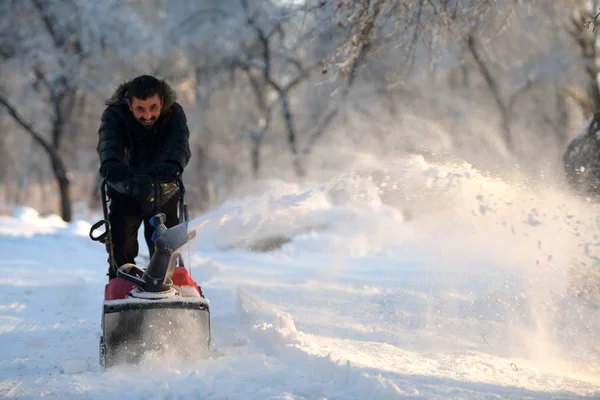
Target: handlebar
125, 270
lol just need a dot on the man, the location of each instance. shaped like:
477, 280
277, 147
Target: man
143, 147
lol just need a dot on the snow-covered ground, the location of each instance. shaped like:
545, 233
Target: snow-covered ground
410, 281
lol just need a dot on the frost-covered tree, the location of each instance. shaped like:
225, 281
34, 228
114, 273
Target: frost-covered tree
259, 53
407, 23
270, 86
54, 54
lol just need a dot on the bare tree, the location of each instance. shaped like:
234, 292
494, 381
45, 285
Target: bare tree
58, 165
60, 44
504, 106
408, 21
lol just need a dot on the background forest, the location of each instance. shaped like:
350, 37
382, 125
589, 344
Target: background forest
295, 90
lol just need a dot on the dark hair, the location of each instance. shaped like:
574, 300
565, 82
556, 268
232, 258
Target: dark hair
145, 86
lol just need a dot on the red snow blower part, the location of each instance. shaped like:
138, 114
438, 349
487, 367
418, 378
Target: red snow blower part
154, 309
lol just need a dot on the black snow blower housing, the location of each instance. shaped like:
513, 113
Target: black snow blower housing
157, 309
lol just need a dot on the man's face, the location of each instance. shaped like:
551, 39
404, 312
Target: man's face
146, 111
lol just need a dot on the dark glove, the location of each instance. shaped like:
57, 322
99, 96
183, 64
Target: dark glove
164, 171
115, 171
142, 189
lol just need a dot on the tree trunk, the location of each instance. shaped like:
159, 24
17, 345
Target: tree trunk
256, 143
491, 82
299, 167
58, 167
64, 187
259, 89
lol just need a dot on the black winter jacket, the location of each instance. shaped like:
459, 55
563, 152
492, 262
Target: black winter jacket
122, 138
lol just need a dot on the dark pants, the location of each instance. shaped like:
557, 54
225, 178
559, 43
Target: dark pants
125, 217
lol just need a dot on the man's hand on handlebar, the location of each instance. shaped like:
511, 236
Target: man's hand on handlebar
164, 172
115, 171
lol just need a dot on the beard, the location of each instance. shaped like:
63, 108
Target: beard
147, 123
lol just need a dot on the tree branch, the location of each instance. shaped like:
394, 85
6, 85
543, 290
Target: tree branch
47, 23
13, 113
36, 136
491, 82
594, 21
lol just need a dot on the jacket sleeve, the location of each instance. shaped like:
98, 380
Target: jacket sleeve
109, 144
178, 148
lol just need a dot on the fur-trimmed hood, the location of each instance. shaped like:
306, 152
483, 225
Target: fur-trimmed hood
119, 96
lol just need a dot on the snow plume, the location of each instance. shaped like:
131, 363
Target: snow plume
498, 254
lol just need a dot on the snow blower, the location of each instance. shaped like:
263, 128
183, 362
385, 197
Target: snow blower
157, 309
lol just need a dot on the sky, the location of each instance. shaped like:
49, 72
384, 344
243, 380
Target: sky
395, 279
